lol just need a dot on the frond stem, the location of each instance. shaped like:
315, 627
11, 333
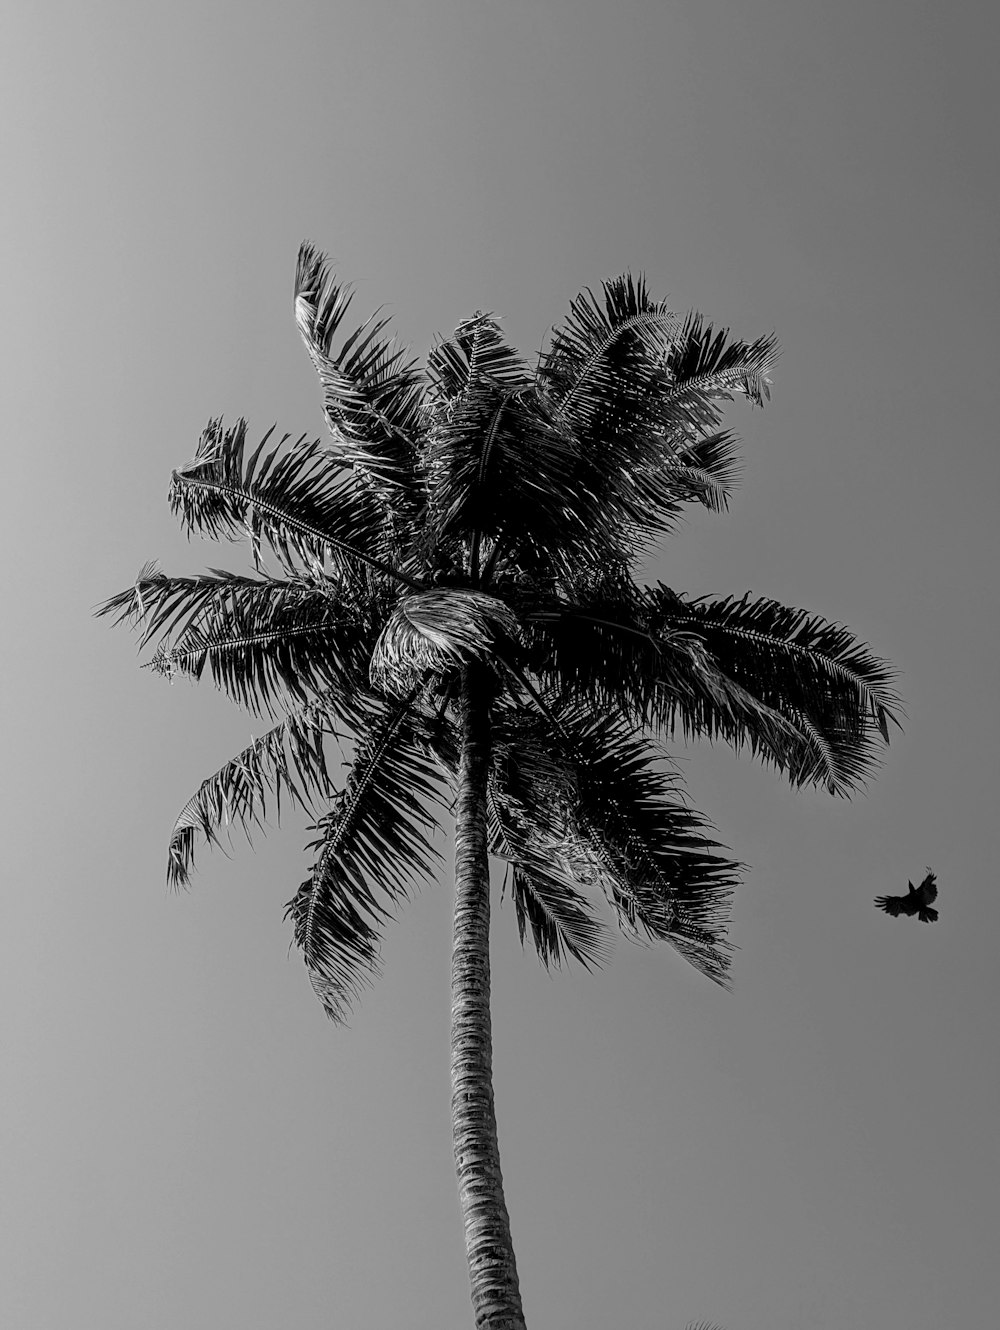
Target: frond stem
647, 318
346, 816
305, 528
795, 648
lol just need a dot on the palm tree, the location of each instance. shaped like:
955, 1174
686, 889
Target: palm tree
454, 601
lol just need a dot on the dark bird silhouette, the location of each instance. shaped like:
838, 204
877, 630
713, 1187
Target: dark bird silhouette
917, 901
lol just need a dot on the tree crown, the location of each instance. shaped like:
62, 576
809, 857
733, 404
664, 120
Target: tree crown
478, 511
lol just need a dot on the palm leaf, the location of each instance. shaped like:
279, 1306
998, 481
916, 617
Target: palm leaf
527, 819
665, 879
164, 606
600, 374
637, 384
300, 500
705, 365
265, 640
629, 830
497, 464
289, 760
800, 693
476, 352
372, 392
279, 642
605, 652
372, 845
598, 361
813, 672
547, 902
703, 471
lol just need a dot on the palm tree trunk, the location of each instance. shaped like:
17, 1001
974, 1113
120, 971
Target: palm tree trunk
496, 1298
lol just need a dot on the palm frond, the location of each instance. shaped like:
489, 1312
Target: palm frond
372, 390
706, 365
264, 639
372, 845
630, 831
600, 375
599, 361
287, 761
527, 818
637, 387
607, 652
704, 470
547, 902
666, 879
300, 500
271, 642
435, 632
162, 605
498, 466
501, 470
836, 693
476, 352
802, 694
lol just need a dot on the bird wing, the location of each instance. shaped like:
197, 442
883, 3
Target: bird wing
916, 901
927, 891
896, 905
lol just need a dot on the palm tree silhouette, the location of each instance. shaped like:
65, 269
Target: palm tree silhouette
455, 603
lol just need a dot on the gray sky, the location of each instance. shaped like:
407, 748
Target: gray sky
187, 1142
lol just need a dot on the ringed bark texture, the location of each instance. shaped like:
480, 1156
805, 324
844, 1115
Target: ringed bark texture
496, 1297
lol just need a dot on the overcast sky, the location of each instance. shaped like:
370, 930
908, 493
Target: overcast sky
188, 1143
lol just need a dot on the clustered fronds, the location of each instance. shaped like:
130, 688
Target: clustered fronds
373, 844
483, 510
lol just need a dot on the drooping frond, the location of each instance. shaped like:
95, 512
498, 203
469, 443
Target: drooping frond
372, 390
163, 606
528, 819
372, 846
436, 632
527, 798
703, 471
281, 643
288, 761
629, 830
649, 846
546, 901
705, 365
836, 693
299, 499
611, 651
264, 640
801, 693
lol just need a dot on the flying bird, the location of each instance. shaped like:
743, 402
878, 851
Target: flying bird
917, 901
